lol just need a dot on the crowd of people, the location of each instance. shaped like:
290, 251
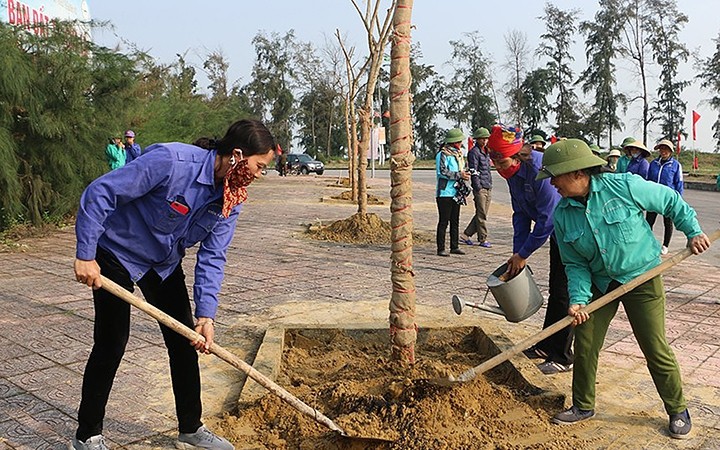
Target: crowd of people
597, 215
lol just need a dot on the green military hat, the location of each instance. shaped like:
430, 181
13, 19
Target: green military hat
481, 133
537, 138
454, 135
567, 156
627, 141
595, 149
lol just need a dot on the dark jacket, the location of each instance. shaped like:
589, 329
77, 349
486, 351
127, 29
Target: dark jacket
480, 162
667, 172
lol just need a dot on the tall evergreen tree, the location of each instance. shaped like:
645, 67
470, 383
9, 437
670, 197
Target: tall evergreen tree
555, 45
709, 75
663, 28
468, 97
423, 91
535, 88
601, 49
270, 90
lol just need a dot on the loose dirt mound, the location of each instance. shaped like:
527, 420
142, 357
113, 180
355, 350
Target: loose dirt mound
350, 379
347, 196
359, 229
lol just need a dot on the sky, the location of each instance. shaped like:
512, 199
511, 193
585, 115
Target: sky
164, 29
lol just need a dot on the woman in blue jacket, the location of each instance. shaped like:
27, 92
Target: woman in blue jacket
134, 226
449, 170
667, 171
638, 163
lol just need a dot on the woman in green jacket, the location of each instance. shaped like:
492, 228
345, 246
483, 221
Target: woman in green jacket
605, 242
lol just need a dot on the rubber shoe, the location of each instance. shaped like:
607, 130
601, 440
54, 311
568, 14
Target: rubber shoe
93, 443
535, 353
443, 253
664, 250
552, 367
457, 251
485, 244
680, 425
202, 438
572, 415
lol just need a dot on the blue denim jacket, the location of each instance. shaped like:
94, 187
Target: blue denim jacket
149, 212
609, 238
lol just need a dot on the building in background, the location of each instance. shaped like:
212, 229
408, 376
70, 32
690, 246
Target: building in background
36, 14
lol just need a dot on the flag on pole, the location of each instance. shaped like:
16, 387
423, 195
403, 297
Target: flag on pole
677, 150
696, 117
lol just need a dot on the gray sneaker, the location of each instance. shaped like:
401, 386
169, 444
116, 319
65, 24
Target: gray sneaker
680, 425
202, 438
93, 443
572, 415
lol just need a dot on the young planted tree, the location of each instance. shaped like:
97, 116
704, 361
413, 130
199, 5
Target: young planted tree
668, 52
377, 38
555, 45
403, 329
516, 67
601, 48
709, 76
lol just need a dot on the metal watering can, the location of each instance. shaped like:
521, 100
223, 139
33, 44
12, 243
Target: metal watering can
518, 298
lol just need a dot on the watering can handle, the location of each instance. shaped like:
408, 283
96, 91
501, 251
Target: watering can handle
592, 307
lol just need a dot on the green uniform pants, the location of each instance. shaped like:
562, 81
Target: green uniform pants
645, 308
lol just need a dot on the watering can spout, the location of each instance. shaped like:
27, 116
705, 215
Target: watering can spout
458, 304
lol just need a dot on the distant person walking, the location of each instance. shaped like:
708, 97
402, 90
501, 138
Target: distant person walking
625, 159
667, 171
450, 172
132, 149
612, 160
481, 181
115, 153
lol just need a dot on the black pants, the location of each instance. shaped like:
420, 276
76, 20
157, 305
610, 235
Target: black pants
448, 212
559, 345
667, 221
111, 332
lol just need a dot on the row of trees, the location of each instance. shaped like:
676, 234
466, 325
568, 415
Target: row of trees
63, 97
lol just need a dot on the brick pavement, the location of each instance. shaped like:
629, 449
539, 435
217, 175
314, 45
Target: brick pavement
276, 275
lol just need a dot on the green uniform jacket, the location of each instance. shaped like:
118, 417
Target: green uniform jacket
609, 239
115, 156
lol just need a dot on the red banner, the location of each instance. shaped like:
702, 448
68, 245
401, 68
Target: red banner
677, 150
696, 117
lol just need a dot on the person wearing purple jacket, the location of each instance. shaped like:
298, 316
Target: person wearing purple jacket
667, 171
134, 225
638, 164
533, 204
478, 162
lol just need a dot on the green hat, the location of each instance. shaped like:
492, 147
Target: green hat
481, 133
537, 138
454, 135
567, 156
595, 149
627, 141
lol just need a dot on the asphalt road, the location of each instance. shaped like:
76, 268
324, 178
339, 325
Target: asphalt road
706, 203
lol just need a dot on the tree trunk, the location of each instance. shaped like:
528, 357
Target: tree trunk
365, 114
403, 329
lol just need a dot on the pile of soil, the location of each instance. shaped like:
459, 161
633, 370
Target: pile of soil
360, 229
349, 378
347, 196
343, 182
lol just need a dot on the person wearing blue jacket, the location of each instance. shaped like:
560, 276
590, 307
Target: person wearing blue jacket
533, 203
450, 170
605, 243
667, 171
134, 226
638, 164
132, 148
481, 181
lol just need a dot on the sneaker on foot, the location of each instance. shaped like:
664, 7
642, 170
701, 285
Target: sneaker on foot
664, 250
552, 367
680, 425
485, 244
535, 353
572, 415
202, 438
92, 443
457, 251
443, 253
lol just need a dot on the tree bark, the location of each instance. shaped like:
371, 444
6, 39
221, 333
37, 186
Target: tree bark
403, 329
